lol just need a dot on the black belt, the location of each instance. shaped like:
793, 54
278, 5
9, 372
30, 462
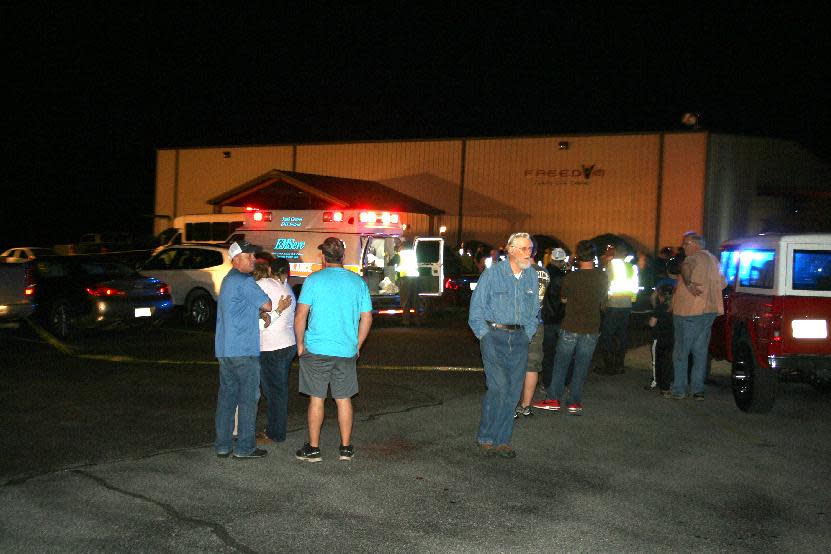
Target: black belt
502, 327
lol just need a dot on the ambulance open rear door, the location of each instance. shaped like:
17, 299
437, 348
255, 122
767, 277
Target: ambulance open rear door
430, 258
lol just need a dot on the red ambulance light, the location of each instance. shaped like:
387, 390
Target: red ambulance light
329, 217
368, 217
337, 216
260, 216
385, 218
393, 218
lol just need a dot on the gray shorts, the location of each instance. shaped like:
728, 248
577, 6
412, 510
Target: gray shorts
319, 373
535, 352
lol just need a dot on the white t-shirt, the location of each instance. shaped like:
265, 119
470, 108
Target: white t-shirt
280, 334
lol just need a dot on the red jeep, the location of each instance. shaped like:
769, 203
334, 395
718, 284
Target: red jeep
777, 305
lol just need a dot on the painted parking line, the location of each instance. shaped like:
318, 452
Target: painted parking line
113, 358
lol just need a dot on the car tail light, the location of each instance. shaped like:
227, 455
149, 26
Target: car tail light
450, 284
103, 290
164, 289
28, 282
772, 317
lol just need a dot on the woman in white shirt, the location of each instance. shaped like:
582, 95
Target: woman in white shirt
278, 346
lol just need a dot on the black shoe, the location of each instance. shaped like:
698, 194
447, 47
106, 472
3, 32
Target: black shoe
256, 453
308, 454
346, 452
524, 411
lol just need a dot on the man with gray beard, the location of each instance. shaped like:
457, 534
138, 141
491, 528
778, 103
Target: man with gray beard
503, 316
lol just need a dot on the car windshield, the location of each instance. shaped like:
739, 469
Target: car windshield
812, 270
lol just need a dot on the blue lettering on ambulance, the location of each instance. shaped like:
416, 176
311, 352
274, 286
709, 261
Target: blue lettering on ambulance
289, 244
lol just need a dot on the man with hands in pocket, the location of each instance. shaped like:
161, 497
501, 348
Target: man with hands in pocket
503, 316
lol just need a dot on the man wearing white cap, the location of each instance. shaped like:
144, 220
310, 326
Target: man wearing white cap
237, 343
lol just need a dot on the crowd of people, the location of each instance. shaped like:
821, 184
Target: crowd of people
260, 328
538, 324
543, 323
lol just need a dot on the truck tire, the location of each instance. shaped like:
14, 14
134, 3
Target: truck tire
201, 309
754, 387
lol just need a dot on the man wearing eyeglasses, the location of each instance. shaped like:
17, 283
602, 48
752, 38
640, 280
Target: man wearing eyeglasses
503, 316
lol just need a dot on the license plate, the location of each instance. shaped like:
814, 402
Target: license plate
143, 312
809, 329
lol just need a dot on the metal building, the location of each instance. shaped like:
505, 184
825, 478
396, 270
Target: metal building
646, 187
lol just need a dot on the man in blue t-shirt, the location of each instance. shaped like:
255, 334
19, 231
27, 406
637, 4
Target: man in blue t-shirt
335, 304
237, 344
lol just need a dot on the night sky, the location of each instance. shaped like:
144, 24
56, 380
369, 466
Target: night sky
97, 88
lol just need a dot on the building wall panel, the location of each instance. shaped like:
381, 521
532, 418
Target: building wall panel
205, 172
599, 184
165, 189
683, 186
427, 170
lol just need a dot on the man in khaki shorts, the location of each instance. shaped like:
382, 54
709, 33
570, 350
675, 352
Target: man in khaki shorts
333, 318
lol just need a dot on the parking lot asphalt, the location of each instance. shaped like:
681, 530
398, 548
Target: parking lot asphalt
635, 473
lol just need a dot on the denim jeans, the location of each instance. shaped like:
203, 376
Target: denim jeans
239, 385
274, 376
581, 347
505, 356
692, 335
549, 346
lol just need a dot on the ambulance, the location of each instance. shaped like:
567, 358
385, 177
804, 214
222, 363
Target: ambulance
370, 238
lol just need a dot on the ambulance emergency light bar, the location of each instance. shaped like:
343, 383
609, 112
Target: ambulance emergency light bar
365, 217
259, 215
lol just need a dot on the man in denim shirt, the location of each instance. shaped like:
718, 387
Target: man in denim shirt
503, 316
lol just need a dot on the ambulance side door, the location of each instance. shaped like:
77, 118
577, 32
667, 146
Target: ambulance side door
430, 257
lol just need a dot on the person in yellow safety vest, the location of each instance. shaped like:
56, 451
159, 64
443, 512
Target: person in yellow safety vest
408, 279
623, 289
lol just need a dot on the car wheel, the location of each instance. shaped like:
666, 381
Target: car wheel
201, 309
60, 320
754, 387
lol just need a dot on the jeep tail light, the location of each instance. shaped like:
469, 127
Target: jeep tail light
102, 290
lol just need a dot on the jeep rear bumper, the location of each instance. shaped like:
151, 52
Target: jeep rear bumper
811, 368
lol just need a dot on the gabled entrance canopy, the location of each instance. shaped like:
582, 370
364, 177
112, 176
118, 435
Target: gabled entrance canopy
287, 190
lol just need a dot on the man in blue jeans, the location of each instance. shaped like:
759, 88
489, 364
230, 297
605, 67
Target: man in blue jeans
237, 344
503, 316
585, 293
696, 303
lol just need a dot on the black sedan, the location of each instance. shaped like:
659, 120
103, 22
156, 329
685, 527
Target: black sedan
75, 292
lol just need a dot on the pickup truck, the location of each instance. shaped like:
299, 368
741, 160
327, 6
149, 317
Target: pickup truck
777, 313
16, 293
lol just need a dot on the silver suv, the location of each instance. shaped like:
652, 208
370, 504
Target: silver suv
194, 273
